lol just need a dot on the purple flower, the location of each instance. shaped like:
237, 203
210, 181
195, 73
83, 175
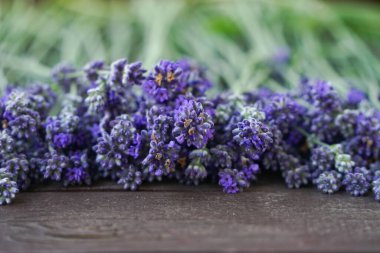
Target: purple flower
322, 159
346, 122
60, 130
296, 176
20, 117
92, 70
329, 182
124, 74
161, 159
42, 98
250, 171
53, 165
284, 112
17, 165
222, 156
131, 178
7, 143
357, 183
113, 149
163, 83
355, 96
253, 137
8, 187
64, 75
77, 172
232, 181
62, 140
376, 185
193, 77
193, 125
323, 96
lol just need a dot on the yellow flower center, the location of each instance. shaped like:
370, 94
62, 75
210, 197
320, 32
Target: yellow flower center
158, 156
167, 163
5, 124
191, 131
170, 76
158, 79
187, 123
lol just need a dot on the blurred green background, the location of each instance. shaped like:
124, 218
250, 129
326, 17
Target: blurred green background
239, 41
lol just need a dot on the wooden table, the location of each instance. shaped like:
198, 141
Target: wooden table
168, 217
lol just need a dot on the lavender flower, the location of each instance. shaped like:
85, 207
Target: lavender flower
193, 125
42, 98
323, 96
250, 170
253, 137
163, 83
92, 70
77, 172
296, 176
124, 74
131, 178
53, 165
96, 99
60, 130
376, 185
284, 112
222, 156
357, 182
355, 96
7, 143
161, 159
21, 119
64, 75
113, 149
322, 159
344, 163
196, 171
194, 77
18, 167
232, 181
329, 182
346, 122
8, 187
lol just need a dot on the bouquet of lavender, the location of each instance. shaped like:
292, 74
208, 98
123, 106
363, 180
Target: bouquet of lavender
136, 126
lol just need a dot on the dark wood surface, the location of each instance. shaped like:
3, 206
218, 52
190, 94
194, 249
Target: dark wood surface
168, 217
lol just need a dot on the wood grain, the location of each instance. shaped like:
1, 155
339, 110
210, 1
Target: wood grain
168, 217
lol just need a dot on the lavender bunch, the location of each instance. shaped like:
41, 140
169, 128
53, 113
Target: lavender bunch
135, 126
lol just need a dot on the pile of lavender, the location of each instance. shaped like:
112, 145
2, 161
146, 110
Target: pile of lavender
136, 126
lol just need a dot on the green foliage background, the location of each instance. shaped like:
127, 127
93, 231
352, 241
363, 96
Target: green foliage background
233, 38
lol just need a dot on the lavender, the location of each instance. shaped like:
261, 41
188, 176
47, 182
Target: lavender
297, 176
124, 74
64, 75
8, 187
232, 180
164, 82
160, 160
92, 70
133, 127
376, 185
19, 115
357, 183
253, 137
329, 182
193, 125
131, 178
77, 173
53, 165
283, 112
